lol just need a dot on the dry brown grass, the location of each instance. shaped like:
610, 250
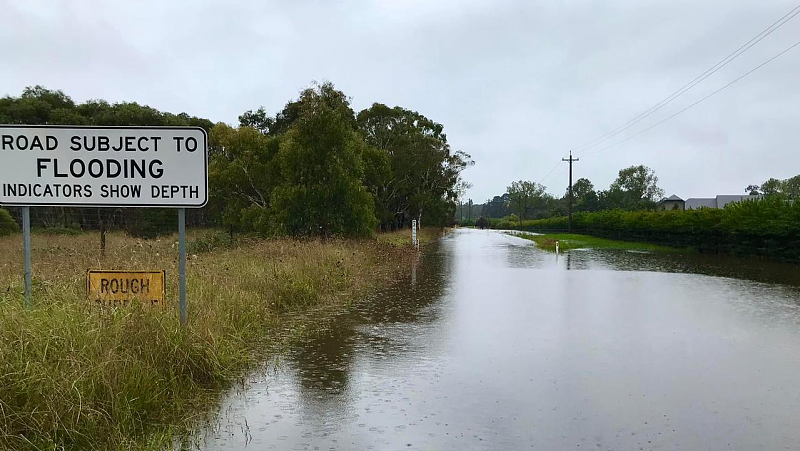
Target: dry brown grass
425, 236
74, 376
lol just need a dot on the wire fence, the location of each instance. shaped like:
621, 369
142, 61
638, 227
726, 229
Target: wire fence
138, 222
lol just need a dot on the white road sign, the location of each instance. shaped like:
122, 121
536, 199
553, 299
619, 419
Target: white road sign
103, 166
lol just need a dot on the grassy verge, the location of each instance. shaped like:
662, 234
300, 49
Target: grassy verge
567, 241
73, 376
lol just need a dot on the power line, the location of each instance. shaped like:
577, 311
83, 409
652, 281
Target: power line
562, 171
716, 67
699, 101
719, 65
541, 181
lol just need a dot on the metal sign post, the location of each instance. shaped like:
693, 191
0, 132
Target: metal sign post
90, 166
26, 251
182, 262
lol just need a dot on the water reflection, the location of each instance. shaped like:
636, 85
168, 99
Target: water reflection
491, 344
757, 269
696, 263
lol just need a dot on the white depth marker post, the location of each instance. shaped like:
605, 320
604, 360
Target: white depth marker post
414, 232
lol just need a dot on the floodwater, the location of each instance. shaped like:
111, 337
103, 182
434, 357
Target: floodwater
492, 344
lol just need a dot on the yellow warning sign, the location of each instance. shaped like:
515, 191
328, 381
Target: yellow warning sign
120, 288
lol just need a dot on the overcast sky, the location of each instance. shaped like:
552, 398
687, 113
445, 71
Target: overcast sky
515, 83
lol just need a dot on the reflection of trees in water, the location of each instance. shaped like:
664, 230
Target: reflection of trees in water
404, 303
760, 291
745, 268
526, 255
324, 361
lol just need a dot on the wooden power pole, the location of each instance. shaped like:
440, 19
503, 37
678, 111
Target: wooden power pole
570, 160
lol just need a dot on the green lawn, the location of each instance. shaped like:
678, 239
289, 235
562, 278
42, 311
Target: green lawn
567, 241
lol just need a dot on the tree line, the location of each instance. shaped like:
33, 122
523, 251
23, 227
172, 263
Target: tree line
317, 167
768, 226
635, 188
786, 188
314, 168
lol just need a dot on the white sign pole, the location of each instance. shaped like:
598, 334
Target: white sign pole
414, 232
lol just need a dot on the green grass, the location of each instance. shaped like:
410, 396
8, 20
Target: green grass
77, 377
567, 241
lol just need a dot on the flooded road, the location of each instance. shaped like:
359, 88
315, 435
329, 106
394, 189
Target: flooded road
493, 344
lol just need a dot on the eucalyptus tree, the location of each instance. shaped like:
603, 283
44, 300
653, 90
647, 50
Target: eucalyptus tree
321, 167
525, 196
425, 174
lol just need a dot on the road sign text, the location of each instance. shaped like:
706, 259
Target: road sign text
103, 166
119, 288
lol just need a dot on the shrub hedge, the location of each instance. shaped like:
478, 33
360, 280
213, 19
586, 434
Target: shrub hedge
759, 227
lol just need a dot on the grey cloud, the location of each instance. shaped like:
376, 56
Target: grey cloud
516, 83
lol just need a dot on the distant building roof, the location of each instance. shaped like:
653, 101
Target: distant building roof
694, 203
718, 202
672, 198
725, 199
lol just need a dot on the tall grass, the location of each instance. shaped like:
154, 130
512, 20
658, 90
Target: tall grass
74, 376
402, 237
